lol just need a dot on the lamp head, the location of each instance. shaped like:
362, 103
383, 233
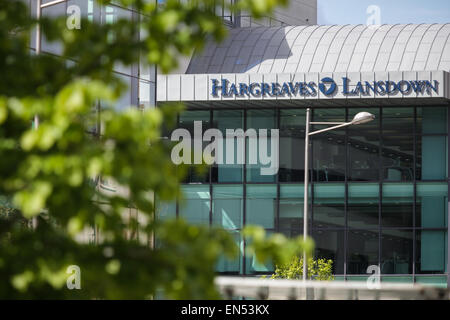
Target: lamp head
363, 117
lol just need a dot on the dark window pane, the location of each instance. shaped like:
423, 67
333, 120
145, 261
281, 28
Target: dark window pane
431, 254
329, 205
232, 168
398, 121
259, 120
329, 156
431, 120
362, 205
396, 251
291, 207
196, 173
397, 205
362, 251
431, 158
292, 145
363, 157
431, 205
398, 158
330, 245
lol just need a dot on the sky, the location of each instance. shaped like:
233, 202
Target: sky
391, 11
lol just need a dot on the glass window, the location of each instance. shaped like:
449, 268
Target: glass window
431, 120
329, 205
196, 173
292, 145
431, 158
329, 156
362, 251
397, 205
431, 255
166, 210
261, 205
228, 206
398, 158
363, 162
329, 244
397, 279
259, 120
195, 204
431, 205
396, 251
398, 121
363, 199
291, 207
233, 156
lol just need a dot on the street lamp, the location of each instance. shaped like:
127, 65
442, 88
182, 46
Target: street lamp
360, 118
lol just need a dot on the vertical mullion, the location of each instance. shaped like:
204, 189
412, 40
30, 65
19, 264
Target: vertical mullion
244, 176
414, 195
277, 178
346, 196
209, 176
448, 202
380, 181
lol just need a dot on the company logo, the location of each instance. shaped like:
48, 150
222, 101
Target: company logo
327, 86
331, 89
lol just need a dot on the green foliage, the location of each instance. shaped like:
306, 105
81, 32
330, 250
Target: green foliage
54, 172
320, 269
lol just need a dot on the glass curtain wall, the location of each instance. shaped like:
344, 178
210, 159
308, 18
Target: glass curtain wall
379, 190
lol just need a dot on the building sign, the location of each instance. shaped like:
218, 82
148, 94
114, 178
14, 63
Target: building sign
326, 86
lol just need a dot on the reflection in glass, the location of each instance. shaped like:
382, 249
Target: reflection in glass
396, 251
227, 206
329, 244
362, 251
431, 205
261, 205
397, 205
329, 205
292, 145
195, 207
398, 158
329, 157
362, 205
364, 158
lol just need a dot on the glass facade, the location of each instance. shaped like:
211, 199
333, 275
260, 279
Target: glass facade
379, 190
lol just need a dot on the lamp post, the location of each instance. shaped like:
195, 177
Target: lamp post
360, 118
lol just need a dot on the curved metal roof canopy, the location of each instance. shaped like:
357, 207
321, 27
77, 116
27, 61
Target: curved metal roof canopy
347, 48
